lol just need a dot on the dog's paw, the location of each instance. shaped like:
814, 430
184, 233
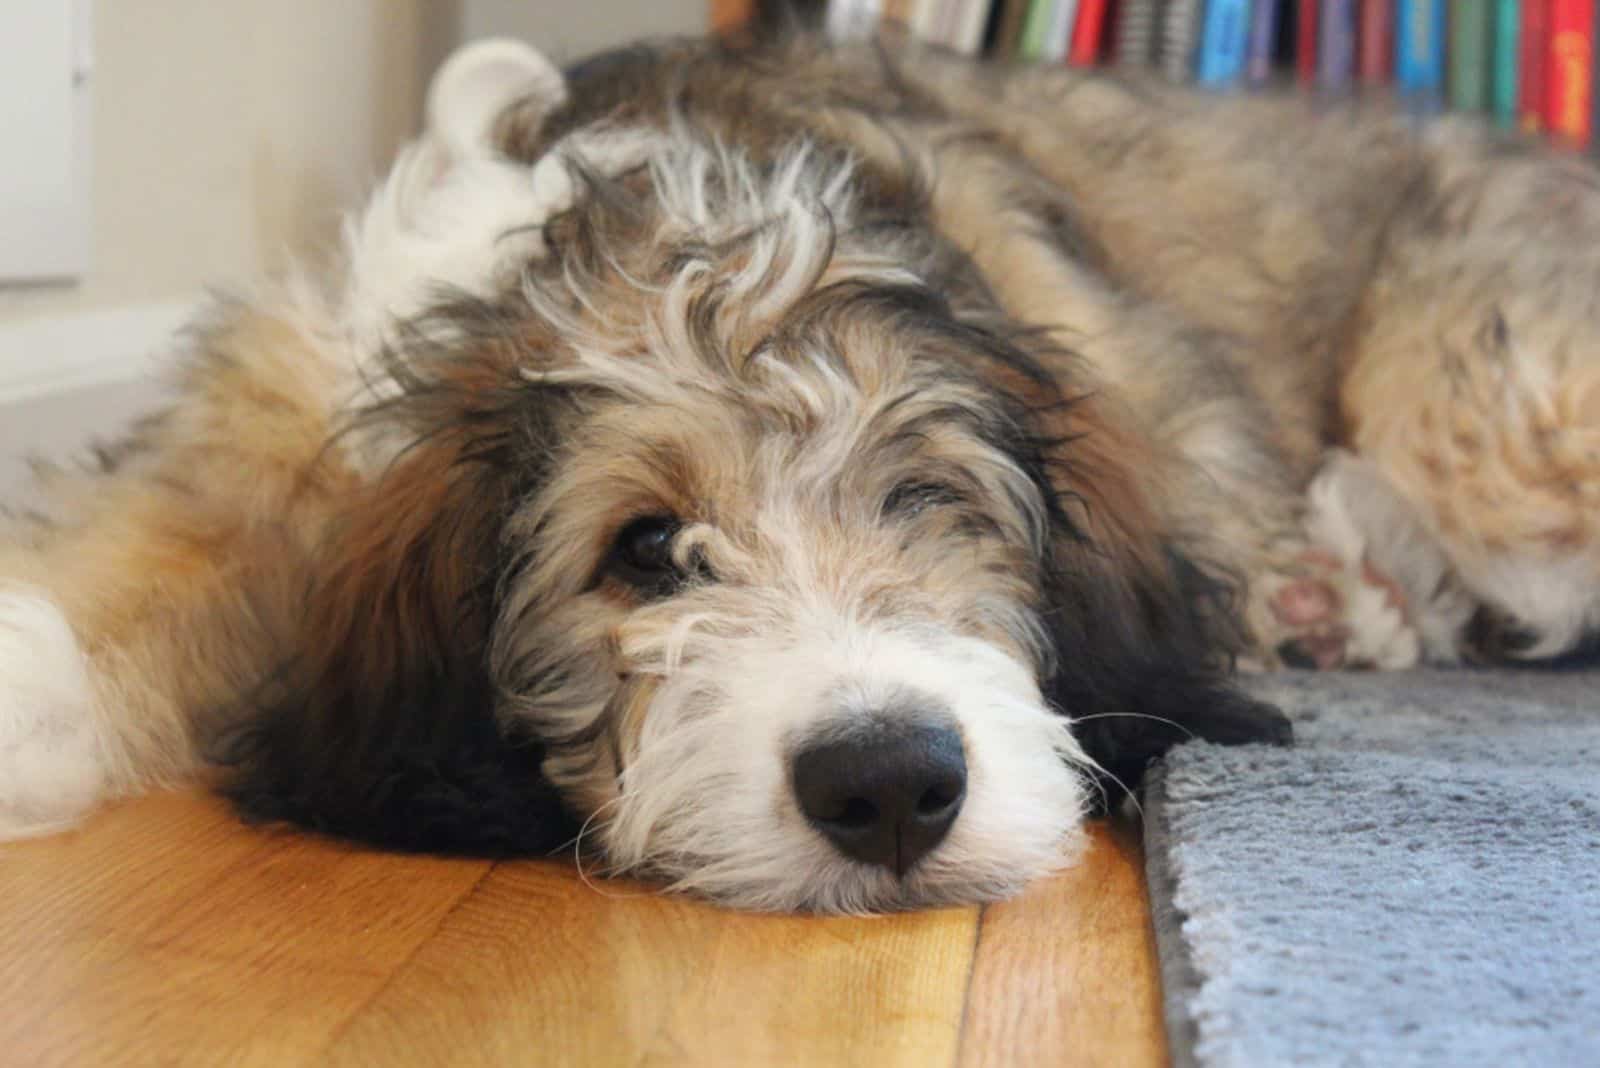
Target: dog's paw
1329, 612
52, 765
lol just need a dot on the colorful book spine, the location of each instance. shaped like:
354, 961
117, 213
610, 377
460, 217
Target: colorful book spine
1036, 29
1375, 43
1058, 40
1569, 98
1180, 35
1503, 90
1136, 32
1305, 40
1008, 40
1533, 51
1336, 45
970, 26
1471, 26
1419, 50
1263, 40
1089, 33
1224, 40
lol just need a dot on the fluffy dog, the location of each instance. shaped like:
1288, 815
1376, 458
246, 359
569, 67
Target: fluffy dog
817, 476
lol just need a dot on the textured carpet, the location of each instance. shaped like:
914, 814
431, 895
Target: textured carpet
1417, 882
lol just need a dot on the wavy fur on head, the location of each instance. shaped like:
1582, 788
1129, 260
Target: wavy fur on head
709, 409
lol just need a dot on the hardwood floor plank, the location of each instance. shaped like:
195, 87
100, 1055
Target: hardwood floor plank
534, 967
166, 932
1066, 974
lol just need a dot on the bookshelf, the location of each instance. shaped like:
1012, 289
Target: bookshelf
1521, 64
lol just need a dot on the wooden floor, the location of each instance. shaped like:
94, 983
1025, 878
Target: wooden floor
166, 933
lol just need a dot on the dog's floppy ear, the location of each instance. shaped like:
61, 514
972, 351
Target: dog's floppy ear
476, 86
1144, 638
381, 725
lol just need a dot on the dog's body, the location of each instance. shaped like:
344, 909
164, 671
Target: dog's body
767, 456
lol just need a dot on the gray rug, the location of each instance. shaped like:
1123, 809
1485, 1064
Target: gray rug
1417, 882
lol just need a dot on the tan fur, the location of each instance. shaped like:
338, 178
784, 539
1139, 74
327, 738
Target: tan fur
170, 565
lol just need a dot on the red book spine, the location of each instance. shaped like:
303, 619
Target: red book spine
1088, 32
1569, 91
1375, 51
1305, 45
1533, 48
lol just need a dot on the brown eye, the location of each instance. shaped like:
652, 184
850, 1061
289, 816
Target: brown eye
642, 555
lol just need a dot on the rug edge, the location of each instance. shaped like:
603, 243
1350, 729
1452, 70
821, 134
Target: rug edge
1180, 978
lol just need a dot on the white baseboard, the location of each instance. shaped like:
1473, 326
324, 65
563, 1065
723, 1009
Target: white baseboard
59, 354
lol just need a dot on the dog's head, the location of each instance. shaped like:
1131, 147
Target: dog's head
743, 534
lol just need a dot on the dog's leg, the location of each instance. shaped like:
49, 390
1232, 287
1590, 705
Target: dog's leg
139, 600
1474, 384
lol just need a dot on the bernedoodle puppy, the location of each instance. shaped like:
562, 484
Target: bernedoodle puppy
818, 476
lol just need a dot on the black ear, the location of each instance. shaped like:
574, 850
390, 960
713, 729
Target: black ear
381, 724
1143, 665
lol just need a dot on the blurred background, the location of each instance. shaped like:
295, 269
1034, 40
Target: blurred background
182, 145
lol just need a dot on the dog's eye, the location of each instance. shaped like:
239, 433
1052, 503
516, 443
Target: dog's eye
642, 554
911, 497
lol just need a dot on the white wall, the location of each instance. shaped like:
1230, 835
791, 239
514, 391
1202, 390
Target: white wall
567, 30
229, 133
225, 134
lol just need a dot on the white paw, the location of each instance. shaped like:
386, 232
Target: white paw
1347, 609
1328, 610
52, 763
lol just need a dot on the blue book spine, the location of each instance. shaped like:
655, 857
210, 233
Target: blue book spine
1263, 39
1224, 39
1336, 45
1507, 31
1419, 49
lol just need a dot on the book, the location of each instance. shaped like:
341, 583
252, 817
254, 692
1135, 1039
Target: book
1375, 43
1224, 39
1136, 32
1503, 80
895, 12
1180, 35
926, 16
1419, 50
1533, 48
844, 18
1569, 90
1089, 33
1263, 46
972, 19
1036, 29
1336, 45
1471, 25
1058, 38
943, 28
1307, 15
1009, 36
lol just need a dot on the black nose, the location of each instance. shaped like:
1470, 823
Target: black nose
887, 797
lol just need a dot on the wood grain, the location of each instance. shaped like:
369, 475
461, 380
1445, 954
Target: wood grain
527, 964
1066, 974
167, 933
